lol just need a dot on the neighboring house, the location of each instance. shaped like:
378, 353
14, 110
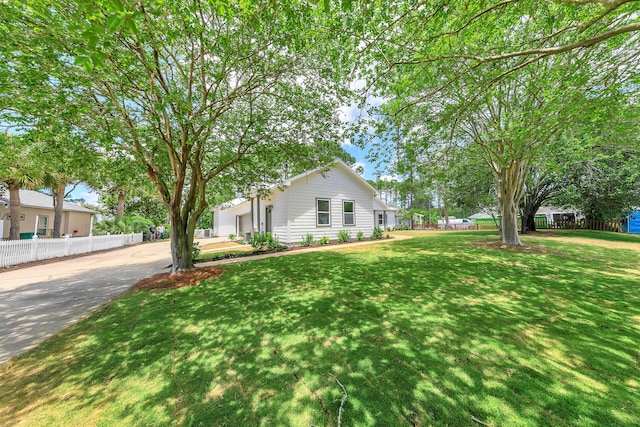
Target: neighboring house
558, 216
76, 219
320, 203
545, 216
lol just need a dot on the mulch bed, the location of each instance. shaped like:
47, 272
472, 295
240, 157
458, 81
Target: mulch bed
178, 280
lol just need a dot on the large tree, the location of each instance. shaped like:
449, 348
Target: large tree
503, 75
199, 92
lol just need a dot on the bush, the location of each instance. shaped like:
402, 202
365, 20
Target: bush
195, 250
377, 233
124, 225
360, 236
262, 240
307, 240
344, 236
324, 240
232, 236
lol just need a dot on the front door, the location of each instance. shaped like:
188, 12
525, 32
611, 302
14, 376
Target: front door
267, 220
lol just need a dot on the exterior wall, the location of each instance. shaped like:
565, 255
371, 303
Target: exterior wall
337, 185
71, 221
245, 224
224, 220
77, 223
294, 209
389, 221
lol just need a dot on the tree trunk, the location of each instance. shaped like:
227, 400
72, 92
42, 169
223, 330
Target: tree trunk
510, 186
58, 204
181, 243
531, 222
445, 212
14, 210
120, 213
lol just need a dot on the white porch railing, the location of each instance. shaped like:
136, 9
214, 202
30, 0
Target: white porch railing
18, 251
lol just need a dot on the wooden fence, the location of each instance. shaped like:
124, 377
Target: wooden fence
14, 252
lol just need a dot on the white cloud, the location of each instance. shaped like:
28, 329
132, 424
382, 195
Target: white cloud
89, 197
359, 167
388, 178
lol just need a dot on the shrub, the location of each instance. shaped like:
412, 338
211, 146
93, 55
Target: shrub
232, 236
307, 240
324, 240
125, 225
263, 240
195, 250
377, 233
360, 236
344, 236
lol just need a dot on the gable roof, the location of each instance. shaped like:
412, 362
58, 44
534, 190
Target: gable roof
337, 162
35, 199
340, 164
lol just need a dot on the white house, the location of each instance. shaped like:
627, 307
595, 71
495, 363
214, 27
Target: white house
317, 202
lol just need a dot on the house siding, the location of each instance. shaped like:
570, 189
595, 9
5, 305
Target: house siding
336, 186
71, 221
294, 208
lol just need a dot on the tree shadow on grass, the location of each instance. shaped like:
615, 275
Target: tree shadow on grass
415, 339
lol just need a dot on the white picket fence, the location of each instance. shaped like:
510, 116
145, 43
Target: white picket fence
18, 251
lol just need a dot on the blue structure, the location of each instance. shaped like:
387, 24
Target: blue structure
632, 223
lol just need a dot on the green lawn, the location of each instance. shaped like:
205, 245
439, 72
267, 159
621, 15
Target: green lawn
436, 330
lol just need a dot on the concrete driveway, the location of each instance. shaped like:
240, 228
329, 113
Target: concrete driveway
37, 302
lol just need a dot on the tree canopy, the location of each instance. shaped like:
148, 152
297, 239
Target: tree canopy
200, 93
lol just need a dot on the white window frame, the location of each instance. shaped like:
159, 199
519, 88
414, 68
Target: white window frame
43, 224
380, 219
318, 212
352, 213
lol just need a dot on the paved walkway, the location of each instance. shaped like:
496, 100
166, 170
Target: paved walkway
37, 302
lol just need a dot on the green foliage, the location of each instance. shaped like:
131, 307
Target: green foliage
307, 240
262, 241
195, 250
602, 182
377, 233
324, 240
232, 236
263, 102
344, 236
360, 236
125, 225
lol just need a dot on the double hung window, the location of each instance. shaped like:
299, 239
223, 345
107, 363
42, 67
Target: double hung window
323, 212
348, 212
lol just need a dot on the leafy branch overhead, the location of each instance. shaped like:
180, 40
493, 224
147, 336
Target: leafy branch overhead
202, 94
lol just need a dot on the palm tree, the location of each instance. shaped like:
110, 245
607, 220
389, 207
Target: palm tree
17, 170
